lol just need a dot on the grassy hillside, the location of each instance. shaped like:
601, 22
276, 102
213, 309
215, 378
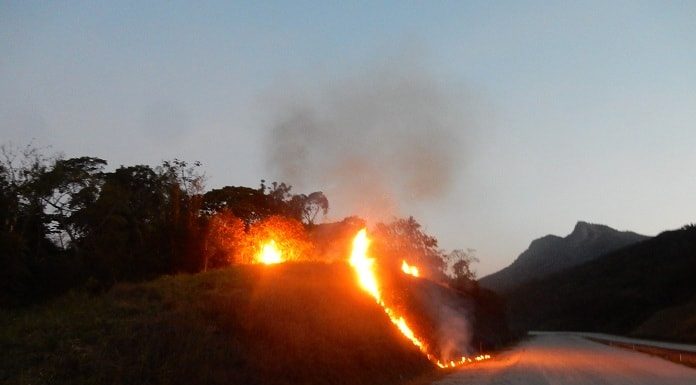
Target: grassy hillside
241, 325
618, 292
676, 323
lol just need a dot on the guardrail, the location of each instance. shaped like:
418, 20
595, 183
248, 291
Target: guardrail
679, 356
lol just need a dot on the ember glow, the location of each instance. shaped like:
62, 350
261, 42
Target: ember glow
409, 269
274, 240
270, 254
364, 267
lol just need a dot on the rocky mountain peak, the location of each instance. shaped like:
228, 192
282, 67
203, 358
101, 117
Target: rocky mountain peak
552, 253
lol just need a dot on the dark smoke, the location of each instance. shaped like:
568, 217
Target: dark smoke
376, 143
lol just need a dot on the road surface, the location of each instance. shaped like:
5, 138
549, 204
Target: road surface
560, 359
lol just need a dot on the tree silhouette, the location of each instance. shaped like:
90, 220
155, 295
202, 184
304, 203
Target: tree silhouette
69, 222
404, 238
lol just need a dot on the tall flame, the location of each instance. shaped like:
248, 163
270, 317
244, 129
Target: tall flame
270, 254
364, 267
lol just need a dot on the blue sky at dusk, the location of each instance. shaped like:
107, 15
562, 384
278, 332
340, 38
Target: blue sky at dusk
564, 112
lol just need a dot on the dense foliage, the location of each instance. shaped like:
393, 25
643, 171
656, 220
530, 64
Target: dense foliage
67, 223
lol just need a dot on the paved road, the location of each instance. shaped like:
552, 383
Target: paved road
566, 359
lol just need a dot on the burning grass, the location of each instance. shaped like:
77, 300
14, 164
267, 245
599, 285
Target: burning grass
276, 240
366, 271
266, 322
268, 252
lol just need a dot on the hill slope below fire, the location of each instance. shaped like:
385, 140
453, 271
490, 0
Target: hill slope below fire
281, 324
646, 289
552, 253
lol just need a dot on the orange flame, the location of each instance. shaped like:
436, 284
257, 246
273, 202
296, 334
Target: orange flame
364, 268
270, 254
363, 264
274, 240
409, 269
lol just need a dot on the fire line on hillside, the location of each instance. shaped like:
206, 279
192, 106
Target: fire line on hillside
364, 267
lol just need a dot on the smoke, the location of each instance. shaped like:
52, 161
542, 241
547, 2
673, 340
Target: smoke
375, 142
445, 317
453, 336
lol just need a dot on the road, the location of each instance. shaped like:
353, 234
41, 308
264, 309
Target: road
566, 359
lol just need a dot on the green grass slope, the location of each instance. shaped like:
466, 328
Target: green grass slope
285, 324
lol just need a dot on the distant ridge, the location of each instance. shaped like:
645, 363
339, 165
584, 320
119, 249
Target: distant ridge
551, 253
645, 290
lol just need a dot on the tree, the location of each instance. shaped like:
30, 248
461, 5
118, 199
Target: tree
403, 239
28, 260
223, 240
248, 204
145, 222
307, 207
184, 225
67, 190
127, 226
252, 205
464, 277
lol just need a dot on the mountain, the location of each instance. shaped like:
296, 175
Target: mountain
646, 289
552, 253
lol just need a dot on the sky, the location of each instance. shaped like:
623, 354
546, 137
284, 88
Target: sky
525, 116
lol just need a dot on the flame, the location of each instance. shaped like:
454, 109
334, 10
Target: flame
367, 278
363, 265
270, 254
409, 269
274, 240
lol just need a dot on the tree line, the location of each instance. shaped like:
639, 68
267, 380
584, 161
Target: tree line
67, 223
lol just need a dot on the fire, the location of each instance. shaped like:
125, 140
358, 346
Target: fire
274, 240
364, 267
270, 254
409, 269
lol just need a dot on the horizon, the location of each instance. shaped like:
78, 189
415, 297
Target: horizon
523, 118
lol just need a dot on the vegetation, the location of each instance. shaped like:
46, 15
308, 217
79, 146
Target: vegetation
102, 238
240, 325
677, 323
67, 223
